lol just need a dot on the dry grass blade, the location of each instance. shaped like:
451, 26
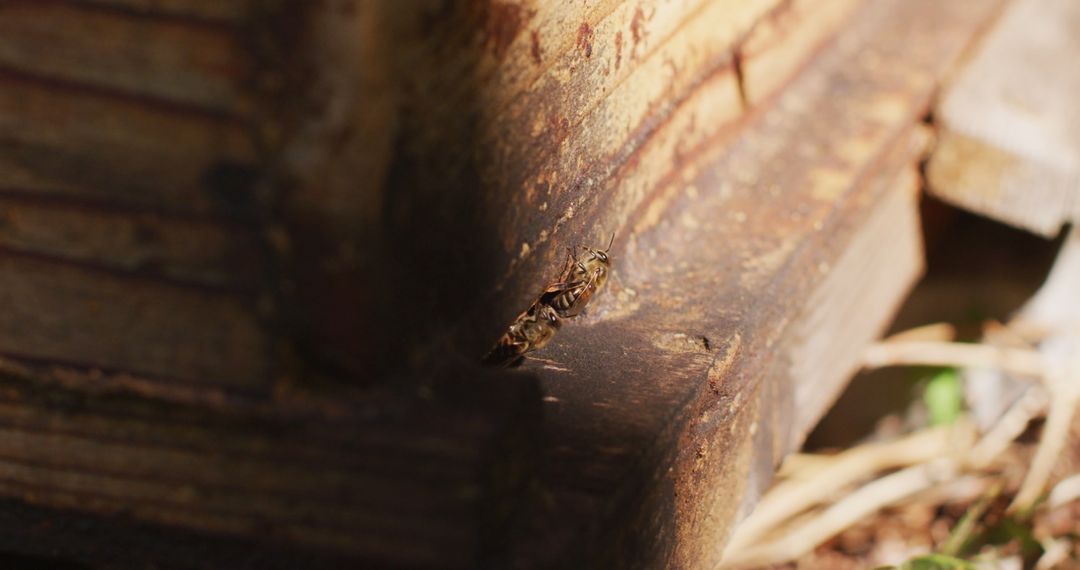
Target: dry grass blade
1066, 491
1055, 555
1013, 423
1065, 389
1019, 361
936, 332
792, 497
804, 465
814, 530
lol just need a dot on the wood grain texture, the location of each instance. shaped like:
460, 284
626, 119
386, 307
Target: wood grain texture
1009, 146
131, 221
214, 11
85, 318
551, 140
777, 45
189, 65
392, 478
60, 140
191, 251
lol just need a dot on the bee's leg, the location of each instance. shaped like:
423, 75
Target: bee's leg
570, 261
585, 288
506, 351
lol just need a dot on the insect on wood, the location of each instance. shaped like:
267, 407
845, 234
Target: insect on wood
531, 330
581, 278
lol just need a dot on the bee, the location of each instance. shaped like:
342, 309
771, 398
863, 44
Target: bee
581, 278
530, 331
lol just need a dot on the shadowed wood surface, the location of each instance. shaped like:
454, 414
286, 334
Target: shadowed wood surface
252, 252
391, 478
230, 11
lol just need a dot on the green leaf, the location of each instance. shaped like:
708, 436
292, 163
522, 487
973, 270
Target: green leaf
944, 397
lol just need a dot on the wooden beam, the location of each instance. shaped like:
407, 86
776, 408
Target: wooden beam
699, 368
391, 478
545, 139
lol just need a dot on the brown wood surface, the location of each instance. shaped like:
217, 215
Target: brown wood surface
689, 380
252, 252
185, 64
391, 478
198, 10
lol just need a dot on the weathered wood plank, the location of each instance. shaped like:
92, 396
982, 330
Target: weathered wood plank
545, 159
188, 251
230, 11
845, 313
199, 66
137, 387
1010, 121
659, 402
410, 484
699, 101
85, 318
522, 110
780, 43
62, 140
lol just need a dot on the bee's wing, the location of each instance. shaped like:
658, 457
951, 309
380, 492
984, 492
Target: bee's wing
568, 265
561, 286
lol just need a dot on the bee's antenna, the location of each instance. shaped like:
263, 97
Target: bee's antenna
611, 241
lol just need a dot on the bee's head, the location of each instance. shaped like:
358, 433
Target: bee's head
599, 254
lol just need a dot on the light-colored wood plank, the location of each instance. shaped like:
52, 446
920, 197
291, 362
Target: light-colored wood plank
1010, 121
